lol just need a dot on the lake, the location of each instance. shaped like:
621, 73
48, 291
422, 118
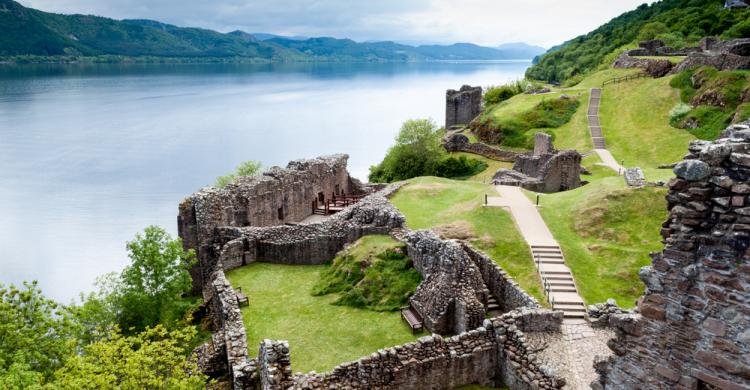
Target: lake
92, 154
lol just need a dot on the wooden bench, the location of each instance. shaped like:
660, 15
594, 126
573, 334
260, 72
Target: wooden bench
412, 318
241, 297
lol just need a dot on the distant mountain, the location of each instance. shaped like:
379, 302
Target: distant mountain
29, 32
265, 37
520, 50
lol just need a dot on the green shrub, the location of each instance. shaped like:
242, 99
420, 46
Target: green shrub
461, 166
711, 121
372, 274
495, 95
247, 168
678, 112
417, 152
572, 81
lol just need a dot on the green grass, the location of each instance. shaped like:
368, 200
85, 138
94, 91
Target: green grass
635, 120
606, 232
492, 166
373, 273
456, 207
320, 335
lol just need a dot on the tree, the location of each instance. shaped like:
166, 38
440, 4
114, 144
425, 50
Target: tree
152, 359
149, 289
36, 336
247, 168
416, 153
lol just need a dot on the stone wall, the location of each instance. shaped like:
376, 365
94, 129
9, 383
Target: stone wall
544, 170
490, 355
507, 292
276, 197
452, 295
462, 106
693, 326
460, 143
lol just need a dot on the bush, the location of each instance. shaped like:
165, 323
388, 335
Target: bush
461, 166
247, 168
495, 95
706, 122
417, 152
572, 81
678, 112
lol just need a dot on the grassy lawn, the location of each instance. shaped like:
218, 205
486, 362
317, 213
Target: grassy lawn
455, 208
492, 166
606, 231
635, 120
320, 334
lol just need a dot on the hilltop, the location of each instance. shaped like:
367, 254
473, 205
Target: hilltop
30, 32
679, 23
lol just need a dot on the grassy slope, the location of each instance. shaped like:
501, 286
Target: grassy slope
606, 232
371, 273
320, 335
453, 201
492, 166
635, 120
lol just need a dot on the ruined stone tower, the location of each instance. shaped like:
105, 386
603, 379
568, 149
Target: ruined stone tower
462, 106
693, 329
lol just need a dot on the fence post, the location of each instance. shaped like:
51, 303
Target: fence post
485, 199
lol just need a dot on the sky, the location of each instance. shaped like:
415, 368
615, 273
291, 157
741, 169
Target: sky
485, 22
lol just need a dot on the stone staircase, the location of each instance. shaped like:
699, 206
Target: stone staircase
594, 126
558, 282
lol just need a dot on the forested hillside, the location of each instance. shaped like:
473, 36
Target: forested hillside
678, 23
29, 32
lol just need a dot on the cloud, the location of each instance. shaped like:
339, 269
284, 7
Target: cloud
488, 22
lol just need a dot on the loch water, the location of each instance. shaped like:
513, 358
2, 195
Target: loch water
92, 154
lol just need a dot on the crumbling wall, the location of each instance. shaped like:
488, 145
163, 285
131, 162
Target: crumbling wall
460, 143
227, 350
462, 106
452, 295
276, 197
490, 355
544, 170
693, 330
507, 292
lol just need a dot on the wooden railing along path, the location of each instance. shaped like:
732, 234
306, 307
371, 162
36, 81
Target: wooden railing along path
625, 78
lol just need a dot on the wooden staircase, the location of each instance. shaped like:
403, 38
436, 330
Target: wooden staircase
558, 282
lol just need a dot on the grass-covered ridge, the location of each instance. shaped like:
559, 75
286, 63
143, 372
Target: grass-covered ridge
513, 129
678, 22
373, 273
454, 209
717, 98
320, 334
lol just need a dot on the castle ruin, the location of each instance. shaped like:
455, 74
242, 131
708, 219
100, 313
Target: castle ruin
692, 331
462, 106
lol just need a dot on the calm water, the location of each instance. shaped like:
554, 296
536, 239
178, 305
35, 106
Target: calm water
90, 155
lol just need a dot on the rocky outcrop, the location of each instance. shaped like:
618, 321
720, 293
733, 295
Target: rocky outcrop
462, 106
458, 142
653, 67
544, 170
722, 55
691, 331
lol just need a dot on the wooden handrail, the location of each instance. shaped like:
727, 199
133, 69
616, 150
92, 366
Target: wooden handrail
625, 78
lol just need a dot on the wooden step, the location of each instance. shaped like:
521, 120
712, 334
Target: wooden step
544, 247
558, 278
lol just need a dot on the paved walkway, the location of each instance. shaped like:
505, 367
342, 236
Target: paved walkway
597, 137
548, 257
